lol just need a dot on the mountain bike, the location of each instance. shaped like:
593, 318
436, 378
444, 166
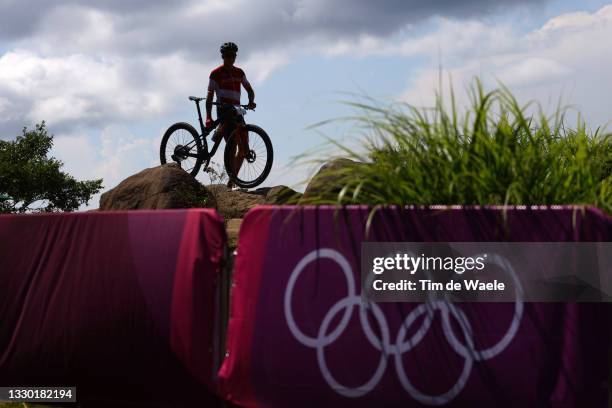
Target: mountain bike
248, 146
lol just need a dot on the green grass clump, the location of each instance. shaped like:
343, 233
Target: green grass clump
495, 153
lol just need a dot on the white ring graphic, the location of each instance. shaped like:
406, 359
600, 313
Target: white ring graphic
348, 273
402, 345
349, 302
480, 355
467, 367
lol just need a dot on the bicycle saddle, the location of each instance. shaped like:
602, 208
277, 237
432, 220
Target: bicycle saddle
196, 99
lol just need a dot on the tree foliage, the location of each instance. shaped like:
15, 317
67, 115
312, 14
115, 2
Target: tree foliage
32, 182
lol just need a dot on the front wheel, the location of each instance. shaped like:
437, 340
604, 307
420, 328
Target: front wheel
248, 156
181, 144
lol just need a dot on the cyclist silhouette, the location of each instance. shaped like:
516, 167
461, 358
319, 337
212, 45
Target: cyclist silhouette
225, 81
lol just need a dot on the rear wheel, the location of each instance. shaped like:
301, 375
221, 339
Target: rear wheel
252, 155
181, 144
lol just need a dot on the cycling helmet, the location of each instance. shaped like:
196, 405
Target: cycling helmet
228, 47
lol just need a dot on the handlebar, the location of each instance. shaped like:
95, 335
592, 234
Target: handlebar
229, 104
197, 99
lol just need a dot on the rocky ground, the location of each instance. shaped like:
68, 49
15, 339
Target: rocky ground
168, 186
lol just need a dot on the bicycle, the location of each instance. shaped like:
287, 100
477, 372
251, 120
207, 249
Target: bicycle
193, 148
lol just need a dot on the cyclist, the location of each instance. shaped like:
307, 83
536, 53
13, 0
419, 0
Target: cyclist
225, 81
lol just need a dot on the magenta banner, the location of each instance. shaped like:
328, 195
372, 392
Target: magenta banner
300, 333
120, 304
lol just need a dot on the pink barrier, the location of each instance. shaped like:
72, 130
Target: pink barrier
298, 334
122, 305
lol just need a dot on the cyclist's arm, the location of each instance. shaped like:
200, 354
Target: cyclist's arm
212, 87
249, 89
209, 101
251, 93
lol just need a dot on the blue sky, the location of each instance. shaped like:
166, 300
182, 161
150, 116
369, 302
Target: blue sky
108, 81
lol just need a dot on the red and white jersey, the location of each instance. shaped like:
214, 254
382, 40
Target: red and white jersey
226, 81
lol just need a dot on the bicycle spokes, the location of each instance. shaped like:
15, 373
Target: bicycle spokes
249, 156
181, 148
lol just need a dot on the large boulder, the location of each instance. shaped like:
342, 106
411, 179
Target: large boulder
282, 195
329, 180
165, 186
278, 195
234, 204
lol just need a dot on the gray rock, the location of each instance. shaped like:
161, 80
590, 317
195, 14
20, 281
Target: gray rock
329, 180
161, 187
282, 195
234, 204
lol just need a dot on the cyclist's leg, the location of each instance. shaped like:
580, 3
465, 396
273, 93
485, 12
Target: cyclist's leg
221, 129
243, 145
229, 129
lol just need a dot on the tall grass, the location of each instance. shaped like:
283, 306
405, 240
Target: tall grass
494, 153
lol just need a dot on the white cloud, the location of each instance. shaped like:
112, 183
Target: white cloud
80, 63
568, 57
77, 153
79, 90
260, 65
203, 9
113, 156
577, 20
72, 28
532, 70
92, 66
121, 154
457, 39
7, 111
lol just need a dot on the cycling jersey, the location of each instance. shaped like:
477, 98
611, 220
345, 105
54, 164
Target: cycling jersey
226, 81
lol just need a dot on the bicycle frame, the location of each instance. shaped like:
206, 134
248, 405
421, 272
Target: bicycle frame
205, 132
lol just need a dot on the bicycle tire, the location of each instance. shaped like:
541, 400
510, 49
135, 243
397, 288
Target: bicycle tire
229, 154
165, 156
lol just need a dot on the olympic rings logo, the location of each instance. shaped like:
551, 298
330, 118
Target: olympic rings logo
402, 344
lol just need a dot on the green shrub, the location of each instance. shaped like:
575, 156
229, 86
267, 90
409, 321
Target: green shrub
495, 153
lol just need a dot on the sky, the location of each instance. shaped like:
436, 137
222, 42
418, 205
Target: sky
109, 77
